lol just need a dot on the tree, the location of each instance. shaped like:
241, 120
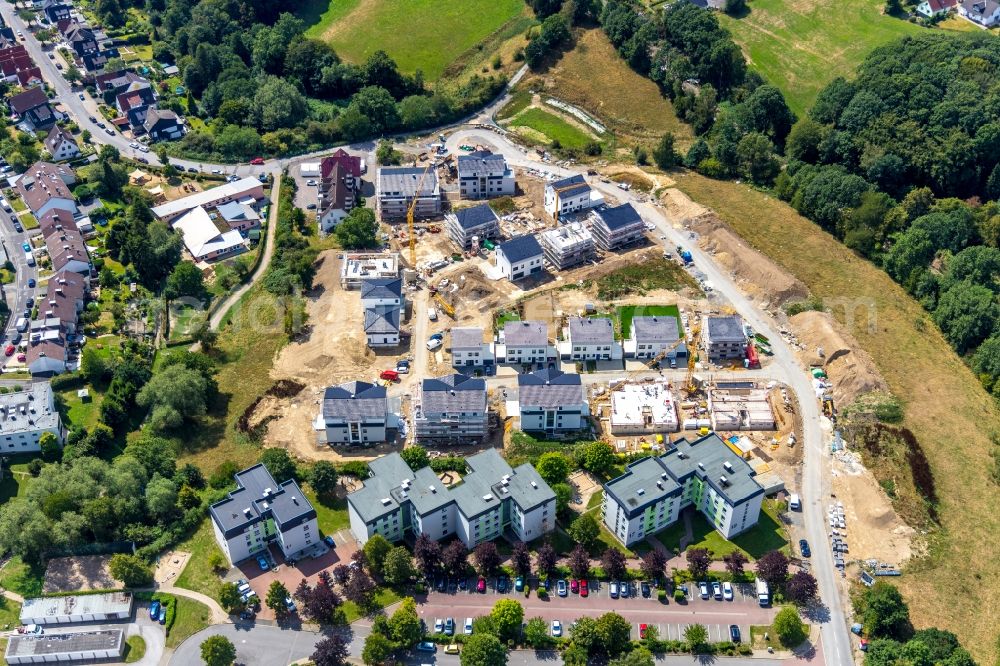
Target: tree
585, 634
278, 103
507, 615
664, 154
331, 651
161, 497
279, 463
405, 624
772, 567
757, 162
48, 445
735, 561
377, 104
415, 457
174, 395
804, 139
185, 280
455, 557
613, 562
131, 570
275, 599
789, 627
967, 314
614, 632
398, 568
653, 564
884, 613
487, 557
941, 643
483, 650
735, 7
563, 493
536, 633
553, 467
360, 588
520, 559
92, 366
386, 154
698, 560
218, 651
230, 598
640, 656
358, 230
545, 559
579, 562
584, 530
427, 554
696, 636
376, 549
323, 478
598, 458
378, 649
801, 587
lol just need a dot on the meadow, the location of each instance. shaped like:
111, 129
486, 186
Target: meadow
548, 127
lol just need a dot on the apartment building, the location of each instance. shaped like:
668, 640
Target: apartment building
468, 350
382, 325
552, 402
520, 257
591, 339
704, 474
570, 195
724, 337
484, 175
25, 415
353, 414
492, 498
476, 222
336, 197
450, 409
382, 291
650, 335
399, 186
617, 227
261, 512
567, 246
45, 186
525, 343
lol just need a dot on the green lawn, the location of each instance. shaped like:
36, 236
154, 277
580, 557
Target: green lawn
28, 221
135, 649
767, 535
595, 501
197, 574
17, 204
502, 319
192, 616
627, 312
800, 47
547, 127
76, 411
330, 514
383, 597
10, 614
418, 34
18, 577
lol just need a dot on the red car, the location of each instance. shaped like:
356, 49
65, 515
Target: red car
574, 586
257, 161
642, 631
9, 351
481, 586
583, 588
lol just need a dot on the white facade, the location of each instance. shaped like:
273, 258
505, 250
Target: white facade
521, 266
562, 198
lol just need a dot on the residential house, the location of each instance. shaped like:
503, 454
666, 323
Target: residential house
56, 10
68, 252
82, 40
29, 77
476, 222
398, 187
525, 343
468, 350
239, 216
353, 167
450, 409
56, 220
705, 474
135, 102
355, 413
61, 144
24, 415
247, 190
650, 335
65, 298
43, 187
984, 12
382, 325
932, 8
618, 227
15, 59
592, 339
724, 337
203, 239
484, 175
31, 109
111, 84
567, 245
377, 292
552, 402
336, 197
261, 512
570, 195
46, 358
519, 257
163, 125
396, 500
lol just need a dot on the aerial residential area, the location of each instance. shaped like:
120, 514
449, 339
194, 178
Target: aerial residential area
499, 333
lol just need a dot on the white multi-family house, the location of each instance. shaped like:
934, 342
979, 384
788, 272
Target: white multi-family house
552, 402
354, 414
474, 223
525, 343
651, 335
382, 325
724, 337
468, 350
382, 291
450, 409
520, 258
61, 144
24, 416
399, 186
484, 175
616, 227
570, 195
591, 339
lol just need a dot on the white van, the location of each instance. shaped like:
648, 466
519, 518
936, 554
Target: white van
22, 324
432, 314
794, 503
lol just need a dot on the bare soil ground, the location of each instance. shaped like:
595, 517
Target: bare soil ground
170, 565
848, 365
79, 574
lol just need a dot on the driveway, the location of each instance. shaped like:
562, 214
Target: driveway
151, 632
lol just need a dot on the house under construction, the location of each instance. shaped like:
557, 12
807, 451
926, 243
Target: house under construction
643, 408
740, 408
361, 266
567, 246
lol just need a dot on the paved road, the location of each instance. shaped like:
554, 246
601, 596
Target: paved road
16, 292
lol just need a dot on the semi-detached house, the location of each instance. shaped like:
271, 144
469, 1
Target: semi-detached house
592, 339
468, 350
492, 498
570, 195
524, 343
651, 335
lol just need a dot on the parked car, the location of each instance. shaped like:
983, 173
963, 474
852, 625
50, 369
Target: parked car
561, 588
101, 124
134, 144
646, 590
192, 170
289, 604
734, 633
556, 628
311, 207
154, 610
468, 626
481, 586
727, 591
31, 283
574, 586
442, 584
437, 336
438, 626
451, 648
22, 358
80, 95
26, 247
163, 615
9, 351
717, 590
583, 588
502, 584
804, 548
110, 131
263, 563
625, 589
217, 172
142, 160
17, 226
310, 182
328, 540
143, 148
426, 646
519, 583
613, 590
642, 630
257, 161
703, 588
449, 626
433, 344
92, 119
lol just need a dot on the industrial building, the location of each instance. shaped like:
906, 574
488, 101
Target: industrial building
618, 227
484, 175
450, 409
399, 186
77, 646
355, 413
724, 337
552, 402
740, 408
359, 266
705, 474
567, 246
71, 609
25, 415
643, 408
476, 222
491, 498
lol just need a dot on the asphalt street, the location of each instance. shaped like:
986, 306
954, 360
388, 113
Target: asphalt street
17, 292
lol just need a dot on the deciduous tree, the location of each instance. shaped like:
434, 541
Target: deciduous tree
520, 559
613, 562
772, 567
801, 587
483, 650
218, 651
698, 560
584, 530
487, 557
653, 564
507, 616
579, 562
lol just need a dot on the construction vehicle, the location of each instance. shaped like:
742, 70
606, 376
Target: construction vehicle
446, 307
409, 216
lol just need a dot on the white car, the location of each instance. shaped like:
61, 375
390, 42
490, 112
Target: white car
556, 628
310, 182
134, 144
438, 626
143, 149
468, 626
727, 591
703, 588
433, 344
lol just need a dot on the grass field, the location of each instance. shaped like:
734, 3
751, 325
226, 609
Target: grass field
766, 536
135, 649
800, 46
945, 407
197, 574
331, 515
10, 613
17, 576
419, 34
548, 127
192, 616
593, 77
627, 312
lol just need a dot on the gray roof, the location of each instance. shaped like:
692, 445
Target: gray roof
354, 401
235, 211
659, 328
481, 163
405, 180
382, 319
642, 475
525, 334
466, 338
47, 647
619, 216
726, 329
453, 393
34, 403
475, 216
520, 248
381, 288
251, 502
549, 389
591, 330
578, 180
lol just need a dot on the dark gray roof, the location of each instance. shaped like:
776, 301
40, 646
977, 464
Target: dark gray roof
475, 216
382, 319
481, 163
257, 497
712, 454
405, 180
466, 338
520, 248
525, 334
642, 475
549, 389
354, 401
453, 393
619, 216
591, 330
381, 288
726, 329
659, 328
579, 180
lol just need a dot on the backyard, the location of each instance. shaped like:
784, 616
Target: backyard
764, 537
627, 312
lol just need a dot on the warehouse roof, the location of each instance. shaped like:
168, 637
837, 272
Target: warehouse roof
48, 647
112, 603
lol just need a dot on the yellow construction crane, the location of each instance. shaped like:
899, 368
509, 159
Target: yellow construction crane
446, 307
557, 191
409, 215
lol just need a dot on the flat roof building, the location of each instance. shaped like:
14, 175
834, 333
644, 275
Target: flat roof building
567, 246
359, 266
740, 409
25, 415
77, 608
77, 646
644, 408
399, 186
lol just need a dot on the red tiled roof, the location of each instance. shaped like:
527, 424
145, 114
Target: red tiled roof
349, 163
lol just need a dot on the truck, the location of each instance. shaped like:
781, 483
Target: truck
390, 375
763, 593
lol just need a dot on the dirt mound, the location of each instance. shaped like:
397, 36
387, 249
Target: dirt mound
849, 367
253, 418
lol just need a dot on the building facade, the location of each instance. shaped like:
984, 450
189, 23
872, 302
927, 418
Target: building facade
617, 227
525, 343
468, 350
724, 337
650, 335
570, 195
520, 258
484, 175
353, 414
450, 409
567, 246
552, 402
592, 339
399, 186
476, 222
